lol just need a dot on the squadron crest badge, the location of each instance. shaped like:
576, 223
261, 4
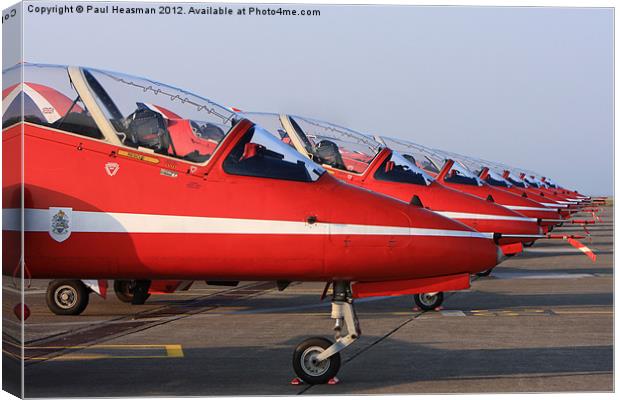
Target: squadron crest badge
60, 223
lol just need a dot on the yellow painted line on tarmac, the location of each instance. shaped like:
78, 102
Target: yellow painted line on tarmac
174, 350
101, 346
170, 351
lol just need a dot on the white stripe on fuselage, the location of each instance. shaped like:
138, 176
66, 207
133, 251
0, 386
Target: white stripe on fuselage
525, 208
38, 220
462, 215
554, 205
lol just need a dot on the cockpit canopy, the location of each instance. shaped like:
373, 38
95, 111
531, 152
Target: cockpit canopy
458, 173
260, 154
398, 168
138, 112
495, 179
550, 183
534, 180
433, 161
155, 116
325, 143
336, 146
518, 182
416, 155
143, 114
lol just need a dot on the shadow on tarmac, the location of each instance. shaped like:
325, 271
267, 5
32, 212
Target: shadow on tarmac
239, 370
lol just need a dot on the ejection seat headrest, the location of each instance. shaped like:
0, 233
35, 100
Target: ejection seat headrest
147, 128
329, 154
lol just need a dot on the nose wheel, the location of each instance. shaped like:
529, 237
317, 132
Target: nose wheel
428, 301
317, 360
307, 366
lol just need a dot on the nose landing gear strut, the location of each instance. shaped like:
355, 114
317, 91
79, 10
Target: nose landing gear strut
317, 360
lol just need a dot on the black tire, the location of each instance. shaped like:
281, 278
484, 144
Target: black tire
67, 297
124, 290
310, 373
529, 244
485, 273
427, 302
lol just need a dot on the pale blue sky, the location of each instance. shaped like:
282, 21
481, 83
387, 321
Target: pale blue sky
527, 86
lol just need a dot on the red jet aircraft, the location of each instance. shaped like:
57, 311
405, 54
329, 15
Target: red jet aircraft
463, 169
454, 174
360, 160
129, 179
495, 175
534, 187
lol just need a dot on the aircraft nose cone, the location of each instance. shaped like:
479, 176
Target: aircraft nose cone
447, 247
403, 241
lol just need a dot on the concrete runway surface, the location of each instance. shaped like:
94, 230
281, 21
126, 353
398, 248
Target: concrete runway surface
542, 322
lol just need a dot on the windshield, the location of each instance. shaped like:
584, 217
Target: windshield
530, 181
472, 165
397, 168
516, 181
495, 179
459, 174
164, 119
551, 184
415, 154
260, 154
537, 181
336, 146
49, 99
272, 123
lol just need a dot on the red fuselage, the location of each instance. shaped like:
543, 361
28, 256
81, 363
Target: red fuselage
547, 202
520, 204
478, 214
545, 216
140, 215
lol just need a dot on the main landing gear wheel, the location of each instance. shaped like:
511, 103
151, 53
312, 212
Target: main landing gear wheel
67, 297
305, 363
428, 301
126, 291
317, 360
485, 273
